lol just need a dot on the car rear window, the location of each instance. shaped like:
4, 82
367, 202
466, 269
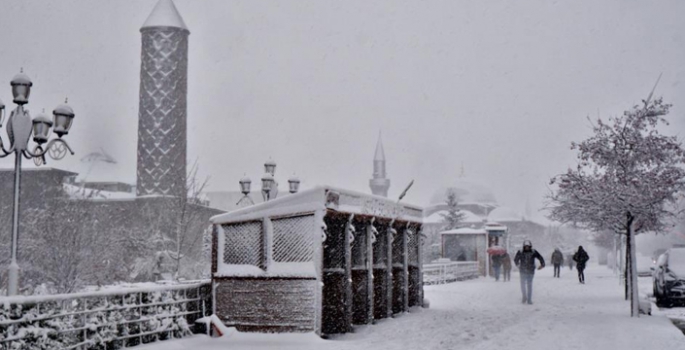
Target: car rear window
676, 261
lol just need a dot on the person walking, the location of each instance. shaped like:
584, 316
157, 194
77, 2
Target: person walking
557, 261
506, 267
525, 261
570, 262
496, 265
581, 258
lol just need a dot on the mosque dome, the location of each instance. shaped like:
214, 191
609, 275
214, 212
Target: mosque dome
468, 217
504, 214
468, 191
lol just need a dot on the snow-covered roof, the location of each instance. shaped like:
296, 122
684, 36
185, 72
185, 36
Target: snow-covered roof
30, 167
78, 192
504, 214
436, 218
492, 226
315, 199
165, 14
465, 231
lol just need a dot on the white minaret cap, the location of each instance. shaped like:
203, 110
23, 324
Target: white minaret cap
380, 153
164, 14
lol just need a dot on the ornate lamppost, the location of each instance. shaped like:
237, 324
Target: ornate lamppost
269, 185
19, 130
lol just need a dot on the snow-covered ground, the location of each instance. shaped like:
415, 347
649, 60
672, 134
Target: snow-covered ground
484, 314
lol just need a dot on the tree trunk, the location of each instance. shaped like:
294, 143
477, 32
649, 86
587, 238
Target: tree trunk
632, 270
624, 266
178, 252
625, 285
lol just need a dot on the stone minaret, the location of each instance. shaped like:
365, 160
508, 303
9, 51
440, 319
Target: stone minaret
162, 108
379, 184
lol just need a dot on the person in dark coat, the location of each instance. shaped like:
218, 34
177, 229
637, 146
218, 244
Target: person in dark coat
496, 265
506, 267
525, 261
557, 261
581, 258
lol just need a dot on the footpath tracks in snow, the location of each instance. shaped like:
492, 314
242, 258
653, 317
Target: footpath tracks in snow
483, 314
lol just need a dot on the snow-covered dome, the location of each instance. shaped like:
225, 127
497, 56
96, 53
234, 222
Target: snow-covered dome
99, 166
467, 190
504, 214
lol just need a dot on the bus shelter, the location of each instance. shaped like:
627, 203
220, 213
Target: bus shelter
321, 260
466, 244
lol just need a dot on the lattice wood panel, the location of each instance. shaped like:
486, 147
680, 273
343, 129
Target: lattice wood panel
413, 245
243, 243
293, 239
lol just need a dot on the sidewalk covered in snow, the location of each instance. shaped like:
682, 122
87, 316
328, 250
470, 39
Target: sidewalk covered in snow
484, 314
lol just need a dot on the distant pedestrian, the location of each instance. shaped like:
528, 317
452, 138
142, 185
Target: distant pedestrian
569, 258
506, 267
496, 265
557, 261
581, 258
525, 261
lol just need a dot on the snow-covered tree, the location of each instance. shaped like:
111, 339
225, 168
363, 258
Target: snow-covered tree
603, 239
454, 216
628, 175
174, 232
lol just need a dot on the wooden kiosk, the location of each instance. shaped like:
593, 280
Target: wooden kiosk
320, 260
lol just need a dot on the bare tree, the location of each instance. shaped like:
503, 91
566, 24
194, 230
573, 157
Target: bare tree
173, 230
66, 248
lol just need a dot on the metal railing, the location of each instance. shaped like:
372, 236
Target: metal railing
102, 320
449, 272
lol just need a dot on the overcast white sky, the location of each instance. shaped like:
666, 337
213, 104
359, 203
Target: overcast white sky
502, 87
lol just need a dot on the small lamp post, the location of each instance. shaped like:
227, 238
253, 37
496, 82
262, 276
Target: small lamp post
245, 201
20, 127
294, 184
245, 184
269, 185
270, 167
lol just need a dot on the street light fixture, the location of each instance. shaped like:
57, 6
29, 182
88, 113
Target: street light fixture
294, 184
269, 185
19, 130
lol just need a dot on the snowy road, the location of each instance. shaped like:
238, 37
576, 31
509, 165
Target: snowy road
484, 314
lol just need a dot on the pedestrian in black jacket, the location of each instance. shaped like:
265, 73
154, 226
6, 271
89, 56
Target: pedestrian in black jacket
525, 261
581, 258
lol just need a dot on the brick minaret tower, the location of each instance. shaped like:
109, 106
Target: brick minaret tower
162, 108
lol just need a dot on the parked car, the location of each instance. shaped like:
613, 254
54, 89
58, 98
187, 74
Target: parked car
669, 277
657, 253
645, 266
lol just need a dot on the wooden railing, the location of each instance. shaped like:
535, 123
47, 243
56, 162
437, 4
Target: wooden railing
449, 272
102, 320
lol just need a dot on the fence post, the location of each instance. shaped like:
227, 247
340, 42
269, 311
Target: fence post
443, 274
85, 331
140, 316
